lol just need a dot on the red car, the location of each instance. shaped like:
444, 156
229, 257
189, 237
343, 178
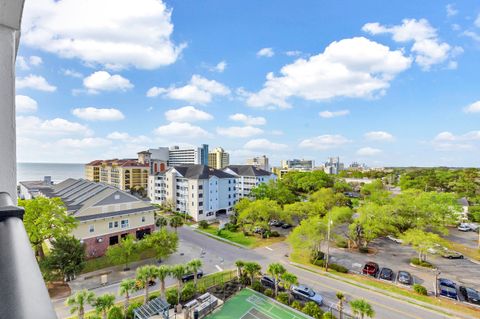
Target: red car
371, 269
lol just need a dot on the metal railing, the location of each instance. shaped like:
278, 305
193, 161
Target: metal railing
23, 294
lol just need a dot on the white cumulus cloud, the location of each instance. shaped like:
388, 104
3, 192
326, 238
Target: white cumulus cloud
247, 119
180, 129
98, 114
104, 81
198, 91
324, 142
118, 135
264, 144
32, 126
220, 67
113, 33
368, 151
447, 141
239, 131
473, 108
25, 104
72, 73
356, 68
187, 114
451, 10
477, 21
265, 52
34, 82
378, 136
83, 143
427, 47
330, 114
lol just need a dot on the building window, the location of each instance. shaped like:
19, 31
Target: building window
110, 225
229, 189
200, 212
115, 224
143, 219
200, 204
193, 204
124, 223
91, 228
200, 186
229, 204
193, 187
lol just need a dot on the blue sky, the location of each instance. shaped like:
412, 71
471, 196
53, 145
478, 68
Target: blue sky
385, 86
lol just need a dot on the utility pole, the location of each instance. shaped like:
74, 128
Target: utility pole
435, 286
328, 242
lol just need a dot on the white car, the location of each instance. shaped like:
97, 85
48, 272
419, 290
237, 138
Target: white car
464, 227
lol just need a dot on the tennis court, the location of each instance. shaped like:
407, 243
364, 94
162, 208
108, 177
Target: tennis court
249, 304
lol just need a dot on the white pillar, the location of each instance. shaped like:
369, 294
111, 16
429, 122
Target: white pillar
10, 17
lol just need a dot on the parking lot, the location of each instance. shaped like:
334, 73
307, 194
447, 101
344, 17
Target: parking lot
469, 239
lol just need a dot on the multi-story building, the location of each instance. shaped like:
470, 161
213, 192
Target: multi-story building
333, 166
124, 174
197, 190
218, 158
248, 177
104, 213
298, 164
259, 162
185, 156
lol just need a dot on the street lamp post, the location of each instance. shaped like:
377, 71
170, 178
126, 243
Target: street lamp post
435, 285
327, 255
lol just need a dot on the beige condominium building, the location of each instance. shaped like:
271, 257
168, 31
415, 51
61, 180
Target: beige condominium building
104, 213
218, 158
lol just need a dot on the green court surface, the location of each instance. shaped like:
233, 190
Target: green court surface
249, 304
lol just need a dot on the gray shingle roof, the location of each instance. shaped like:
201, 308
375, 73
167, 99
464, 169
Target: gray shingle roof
248, 170
116, 213
199, 171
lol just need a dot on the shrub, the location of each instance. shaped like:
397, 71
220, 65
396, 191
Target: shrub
115, 313
316, 256
319, 262
268, 292
338, 268
131, 307
474, 213
363, 250
275, 234
257, 286
171, 296
266, 234
188, 292
341, 242
313, 310
203, 224
328, 315
296, 305
416, 261
231, 227
153, 295
283, 298
419, 289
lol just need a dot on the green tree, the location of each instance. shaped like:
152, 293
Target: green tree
178, 272
115, 313
79, 300
309, 235
67, 257
45, 219
289, 279
276, 270
239, 264
421, 241
313, 310
274, 190
127, 286
252, 269
302, 210
340, 305
161, 222
194, 266
145, 275
259, 212
103, 304
329, 199
163, 242
373, 221
123, 252
163, 272
362, 308
176, 221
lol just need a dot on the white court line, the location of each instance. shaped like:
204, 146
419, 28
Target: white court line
266, 247
219, 268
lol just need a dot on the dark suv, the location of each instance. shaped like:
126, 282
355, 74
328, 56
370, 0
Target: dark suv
470, 295
404, 277
371, 269
190, 276
386, 274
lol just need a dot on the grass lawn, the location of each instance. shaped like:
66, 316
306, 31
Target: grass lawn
240, 238
103, 262
302, 257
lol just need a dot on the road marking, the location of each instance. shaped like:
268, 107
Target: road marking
266, 247
219, 268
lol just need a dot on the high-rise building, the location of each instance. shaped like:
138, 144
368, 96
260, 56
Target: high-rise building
298, 164
218, 158
333, 166
182, 156
259, 162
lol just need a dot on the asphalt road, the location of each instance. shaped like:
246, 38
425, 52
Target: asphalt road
219, 255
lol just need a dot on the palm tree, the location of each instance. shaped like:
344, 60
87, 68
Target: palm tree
194, 265
104, 303
161, 222
276, 270
239, 263
362, 308
127, 286
289, 279
78, 301
176, 221
178, 272
145, 274
341, 300
252, 269
162, 273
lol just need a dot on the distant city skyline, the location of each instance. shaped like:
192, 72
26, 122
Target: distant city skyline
392, 85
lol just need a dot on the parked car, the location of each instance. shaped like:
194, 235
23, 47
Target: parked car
452, 254
190, 276
394, 239
276, 223
448, 292
447, 283
305, 293
386, 274
464, 227
371, 269
286, 225
471, 295
269, 282
404, 278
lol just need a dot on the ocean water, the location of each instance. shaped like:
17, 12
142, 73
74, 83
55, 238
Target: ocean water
58, 171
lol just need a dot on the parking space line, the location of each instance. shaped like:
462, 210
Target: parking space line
219, 268
266, 247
